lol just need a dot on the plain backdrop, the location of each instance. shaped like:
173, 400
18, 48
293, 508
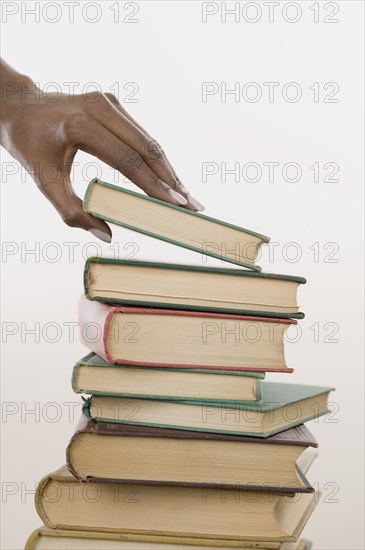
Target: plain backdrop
159, 57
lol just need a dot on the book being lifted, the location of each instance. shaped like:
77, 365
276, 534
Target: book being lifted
183, 339
165, 221
176, 286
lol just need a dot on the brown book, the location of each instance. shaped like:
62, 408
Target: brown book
102, 451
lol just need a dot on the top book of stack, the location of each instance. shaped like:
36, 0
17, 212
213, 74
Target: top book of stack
173, 224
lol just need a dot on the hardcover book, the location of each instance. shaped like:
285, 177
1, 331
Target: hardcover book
173, 224
284, 406
59, 539
93, 375
164, 510
162, 285
183, 339
101, 451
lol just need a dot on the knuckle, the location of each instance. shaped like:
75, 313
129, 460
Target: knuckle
112, 98
131, 162
71, 217
95, 96
152, 149
76, 123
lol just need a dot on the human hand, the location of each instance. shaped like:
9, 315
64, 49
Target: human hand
44, 133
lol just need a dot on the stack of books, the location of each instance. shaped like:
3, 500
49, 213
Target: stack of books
183, 444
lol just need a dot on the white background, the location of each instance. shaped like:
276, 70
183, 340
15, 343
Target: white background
168, 55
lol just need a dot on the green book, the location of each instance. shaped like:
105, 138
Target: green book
191, 287
173, 224
92, 375
283, 406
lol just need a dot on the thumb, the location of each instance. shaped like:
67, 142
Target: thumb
69, 206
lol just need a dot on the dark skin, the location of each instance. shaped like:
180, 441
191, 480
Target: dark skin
44, 133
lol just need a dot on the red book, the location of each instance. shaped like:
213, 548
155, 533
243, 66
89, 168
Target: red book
183, 339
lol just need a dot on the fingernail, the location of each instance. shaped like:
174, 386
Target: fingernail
102, 235
195, 204
177, 197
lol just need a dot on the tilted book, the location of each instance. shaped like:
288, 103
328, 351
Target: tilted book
173, 224
165, 510
176, 286
101, 451
284, 406
92, 375
183, 339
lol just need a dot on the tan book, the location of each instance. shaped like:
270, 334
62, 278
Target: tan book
201, 512
165, 221
57, 539
93, 375
200, 288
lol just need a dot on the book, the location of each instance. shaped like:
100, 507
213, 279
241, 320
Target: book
60, 539
93, 375
284, 406
100, 451
164, 510
176, 286
173, 224
183, 339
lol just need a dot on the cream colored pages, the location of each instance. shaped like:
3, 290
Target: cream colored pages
197, 340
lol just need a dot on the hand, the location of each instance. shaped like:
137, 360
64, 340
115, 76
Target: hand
44, 132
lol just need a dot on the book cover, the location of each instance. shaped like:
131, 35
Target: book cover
97, 314
153, 300
253, 240
163, 510
93, 360
299, 436
285, 398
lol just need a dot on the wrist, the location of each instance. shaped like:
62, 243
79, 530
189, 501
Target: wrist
14, 86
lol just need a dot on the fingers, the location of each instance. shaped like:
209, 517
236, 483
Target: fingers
59, 192
115, 118
95, 139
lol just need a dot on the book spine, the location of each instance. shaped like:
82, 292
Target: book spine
96, 316
88, 193
32, 540
86, 275
83, 426
75, 371
258, 391
41, 489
